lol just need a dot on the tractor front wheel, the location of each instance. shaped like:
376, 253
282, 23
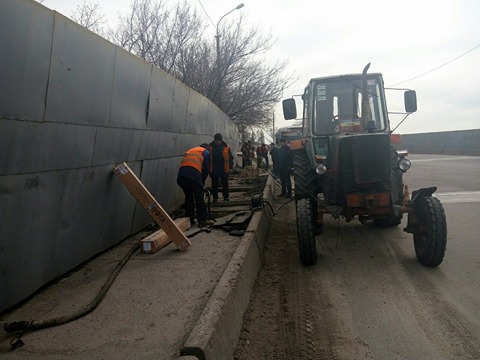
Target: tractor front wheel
306, 231
431, 239
307, 182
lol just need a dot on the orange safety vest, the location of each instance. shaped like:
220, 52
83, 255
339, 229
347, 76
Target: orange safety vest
262, 150
194, 158
225, 154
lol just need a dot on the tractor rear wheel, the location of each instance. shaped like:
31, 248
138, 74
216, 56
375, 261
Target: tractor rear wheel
306, 231
430, 243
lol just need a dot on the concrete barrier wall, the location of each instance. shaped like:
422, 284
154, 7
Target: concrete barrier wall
461, 142
73, 105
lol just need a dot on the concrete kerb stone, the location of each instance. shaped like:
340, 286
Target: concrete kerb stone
216, 333
260, 225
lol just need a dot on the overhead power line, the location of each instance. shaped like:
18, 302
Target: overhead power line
438, 67
206, 13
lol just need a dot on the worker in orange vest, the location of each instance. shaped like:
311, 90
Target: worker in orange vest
220, 166
262, 153
191, 178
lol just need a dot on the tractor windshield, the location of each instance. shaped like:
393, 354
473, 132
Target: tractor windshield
339, 107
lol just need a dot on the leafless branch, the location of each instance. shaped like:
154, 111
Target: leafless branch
88, 15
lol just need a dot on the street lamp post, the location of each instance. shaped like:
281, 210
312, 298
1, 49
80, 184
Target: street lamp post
217, 62
217, 36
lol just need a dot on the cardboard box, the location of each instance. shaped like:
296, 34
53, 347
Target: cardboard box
159, 239
148, 202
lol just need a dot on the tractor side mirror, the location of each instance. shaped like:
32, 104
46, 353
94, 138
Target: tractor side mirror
289, 109
410, 101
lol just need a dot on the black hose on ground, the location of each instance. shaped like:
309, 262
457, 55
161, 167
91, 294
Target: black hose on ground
26, 326
285, 203
275, 178
258, 203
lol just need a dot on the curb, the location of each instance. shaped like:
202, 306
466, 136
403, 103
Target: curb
216, 332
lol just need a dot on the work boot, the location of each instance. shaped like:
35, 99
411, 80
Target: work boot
204, 223
215, 201
226, 199
287, 196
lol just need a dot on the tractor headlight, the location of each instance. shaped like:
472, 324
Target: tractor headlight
321, 169
404, 164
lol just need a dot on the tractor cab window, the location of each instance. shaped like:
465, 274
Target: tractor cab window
339, 107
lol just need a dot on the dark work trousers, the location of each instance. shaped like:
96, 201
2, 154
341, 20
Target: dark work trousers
286, 181
224, 179
259, 161
193, 199
266, 161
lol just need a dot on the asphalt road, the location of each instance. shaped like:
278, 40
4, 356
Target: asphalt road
368, 297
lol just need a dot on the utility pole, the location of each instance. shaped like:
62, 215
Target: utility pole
217, 62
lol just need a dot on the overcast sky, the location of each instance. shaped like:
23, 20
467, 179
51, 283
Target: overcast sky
402, 39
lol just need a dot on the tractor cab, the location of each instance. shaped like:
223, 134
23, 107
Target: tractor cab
346, 104
339, 105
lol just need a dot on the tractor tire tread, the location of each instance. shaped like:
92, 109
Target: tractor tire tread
306, 179
306, 232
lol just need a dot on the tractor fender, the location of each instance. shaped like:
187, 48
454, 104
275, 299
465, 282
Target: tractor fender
423, 192
417, 197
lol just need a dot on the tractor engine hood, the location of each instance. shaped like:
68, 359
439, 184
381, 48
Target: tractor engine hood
357, 164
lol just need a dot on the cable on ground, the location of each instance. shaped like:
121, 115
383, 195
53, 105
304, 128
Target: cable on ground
258, 203
27, 326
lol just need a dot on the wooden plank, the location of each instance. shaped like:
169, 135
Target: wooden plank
148, 202
159, 239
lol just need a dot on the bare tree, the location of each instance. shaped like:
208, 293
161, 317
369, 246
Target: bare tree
140, 31
238, 80
158, 34
195, 66
88, 15
245, 86
183, 28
